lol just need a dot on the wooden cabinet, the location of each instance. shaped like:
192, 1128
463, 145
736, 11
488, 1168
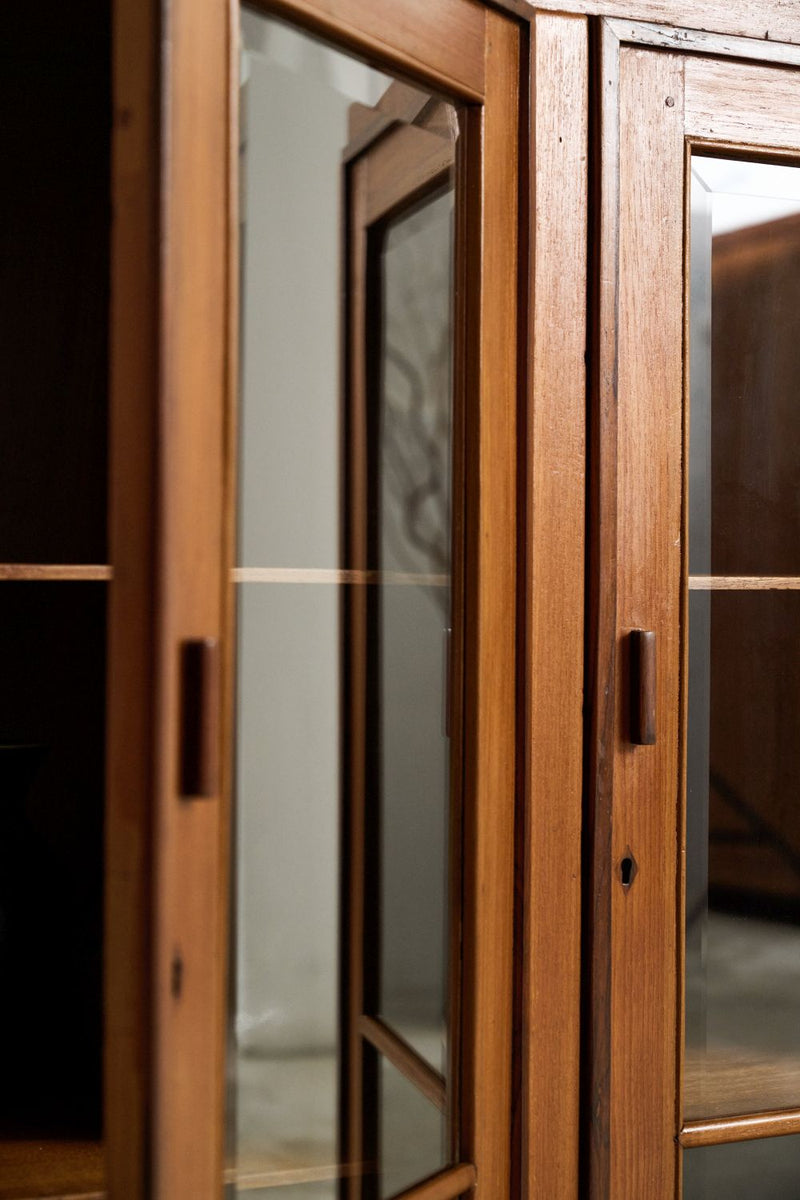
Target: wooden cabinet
696, 531
376, 374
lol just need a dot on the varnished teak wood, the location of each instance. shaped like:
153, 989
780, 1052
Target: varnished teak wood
553, 541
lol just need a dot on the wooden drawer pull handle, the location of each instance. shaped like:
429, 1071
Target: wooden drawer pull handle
643, 687
200, 717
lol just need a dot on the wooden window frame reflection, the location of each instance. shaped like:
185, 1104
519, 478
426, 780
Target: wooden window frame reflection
393, 165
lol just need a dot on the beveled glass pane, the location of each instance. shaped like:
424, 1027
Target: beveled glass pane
743, 921
412, 1136
344, 530
745, 368
743, 755
768, 1169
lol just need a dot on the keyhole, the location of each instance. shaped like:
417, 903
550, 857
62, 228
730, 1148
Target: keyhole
627, 868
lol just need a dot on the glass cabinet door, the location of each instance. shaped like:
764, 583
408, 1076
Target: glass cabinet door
700, 941
357, 790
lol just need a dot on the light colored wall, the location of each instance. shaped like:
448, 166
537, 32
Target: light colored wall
296, 96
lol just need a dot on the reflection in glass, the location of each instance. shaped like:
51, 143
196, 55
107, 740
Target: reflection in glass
343, 571
412, 1137
414, 513
768, 1169
743, 753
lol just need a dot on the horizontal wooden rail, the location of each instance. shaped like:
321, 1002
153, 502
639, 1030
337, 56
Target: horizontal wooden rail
719, 1131
405, 1058
333, 575
743, 583
54, 572
447, 1185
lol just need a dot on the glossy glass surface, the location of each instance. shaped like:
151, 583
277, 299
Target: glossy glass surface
412, 1134
343, 574
768, 1169
743, 753
415, 265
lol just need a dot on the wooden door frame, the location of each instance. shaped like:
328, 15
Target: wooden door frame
654, 108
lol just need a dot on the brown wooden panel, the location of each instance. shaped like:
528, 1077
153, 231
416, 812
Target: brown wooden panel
637, 525
741, 103
441, 43
489, 692
554, 570
645, 819
189, 958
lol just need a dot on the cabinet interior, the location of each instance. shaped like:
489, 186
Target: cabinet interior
54, 564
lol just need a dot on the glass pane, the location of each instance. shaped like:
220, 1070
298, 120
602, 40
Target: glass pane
412, 1135
768, 1169
745, 368
743, 754
344, 527
415, 267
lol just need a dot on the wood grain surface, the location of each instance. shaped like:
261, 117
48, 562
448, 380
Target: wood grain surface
190, 870
555, 450
762, 20
490, 600
741, 103
650, 492
441, 43
722, 1131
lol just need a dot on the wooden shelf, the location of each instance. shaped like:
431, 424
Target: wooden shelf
743, 583
55, 572
253, 1173
333, 575
55, 1170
